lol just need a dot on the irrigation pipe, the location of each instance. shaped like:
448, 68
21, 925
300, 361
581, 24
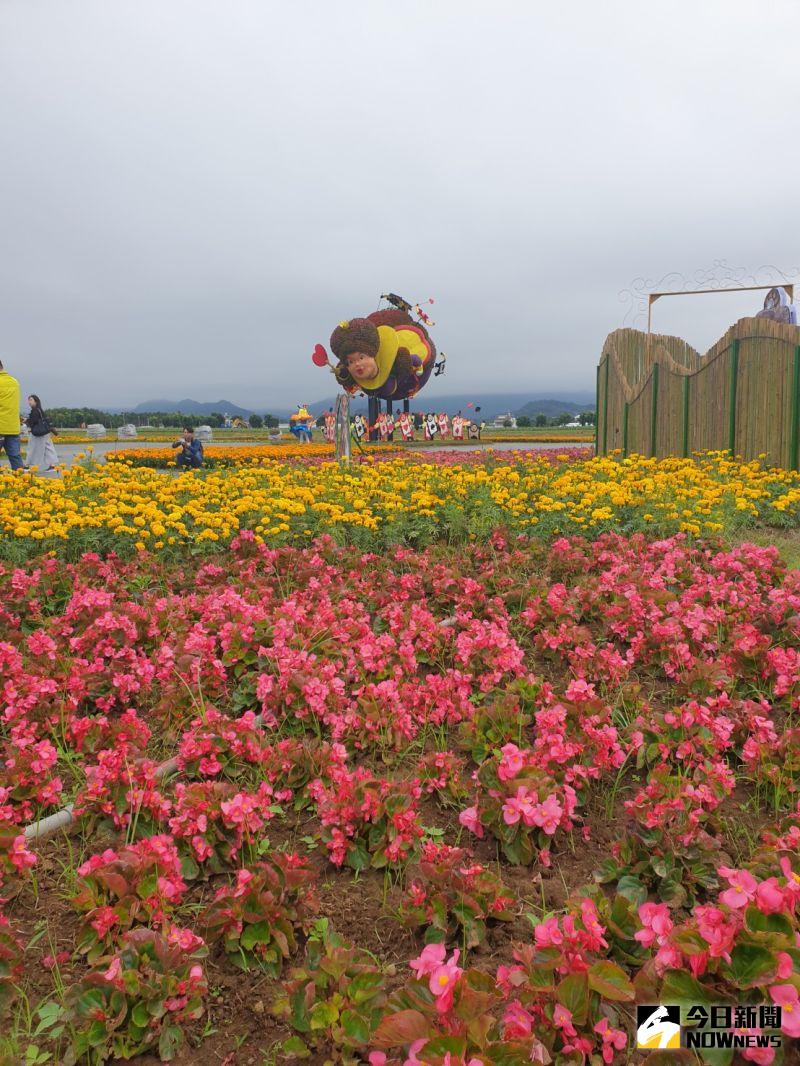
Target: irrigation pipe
45, 827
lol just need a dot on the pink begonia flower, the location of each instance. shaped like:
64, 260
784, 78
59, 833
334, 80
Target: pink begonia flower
718, 932
96, 861
613, 1039
548, 814
762, 1056
412, 1059
579, 690
51, 961
512, 762
517, 1022
786, 997
470, 820
668, 958
104, 920
443, 980
658, 924
742, 890
185, 939
19, 855
114, 970
785, 965
592, 925
792, 879
581, 1044
377, 1058
698, 964
562, 1019
518, 806
769, 896
432, 955
548, 933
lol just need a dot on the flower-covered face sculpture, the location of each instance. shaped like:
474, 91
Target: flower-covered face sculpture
362, 366
387, 354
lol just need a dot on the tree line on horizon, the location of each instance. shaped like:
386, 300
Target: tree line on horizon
586, 418
73, 417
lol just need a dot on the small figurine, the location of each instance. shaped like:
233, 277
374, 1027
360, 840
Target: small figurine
301, 424
329, 429
778, 308
406, 424
382, 426
359, 427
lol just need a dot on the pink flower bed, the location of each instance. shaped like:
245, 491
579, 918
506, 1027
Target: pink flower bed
451, 729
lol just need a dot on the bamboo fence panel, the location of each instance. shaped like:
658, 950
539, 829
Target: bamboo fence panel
743, 394
616, 406
709, 404
669, 418
636, 353
764, 385
639, 420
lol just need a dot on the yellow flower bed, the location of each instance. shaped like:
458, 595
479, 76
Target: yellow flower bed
119, 506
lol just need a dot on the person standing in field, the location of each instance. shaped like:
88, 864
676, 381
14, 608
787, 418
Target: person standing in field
41, 450
9, 418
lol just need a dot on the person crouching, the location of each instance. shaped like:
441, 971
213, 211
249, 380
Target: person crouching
191, 453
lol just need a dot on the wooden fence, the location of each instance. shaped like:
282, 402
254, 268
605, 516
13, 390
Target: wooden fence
657, 396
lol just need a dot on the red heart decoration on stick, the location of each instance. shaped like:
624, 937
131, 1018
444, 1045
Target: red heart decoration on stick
319, 356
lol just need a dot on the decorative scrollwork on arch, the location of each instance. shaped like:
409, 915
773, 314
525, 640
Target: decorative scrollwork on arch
716, 278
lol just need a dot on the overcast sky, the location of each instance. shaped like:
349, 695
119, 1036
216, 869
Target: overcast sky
194, 192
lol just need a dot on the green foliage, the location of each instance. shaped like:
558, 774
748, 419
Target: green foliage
335, 999
10, 966
257, 918
140, 1000
452, 897
494, 724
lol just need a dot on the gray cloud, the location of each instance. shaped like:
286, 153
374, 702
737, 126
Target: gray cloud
193, 192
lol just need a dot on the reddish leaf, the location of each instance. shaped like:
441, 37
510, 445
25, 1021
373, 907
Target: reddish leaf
401, 1028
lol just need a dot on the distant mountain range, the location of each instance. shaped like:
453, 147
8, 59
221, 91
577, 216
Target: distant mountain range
490, 406
553, 408
193, 407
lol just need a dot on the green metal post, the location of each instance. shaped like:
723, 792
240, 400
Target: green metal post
654, 412
605, 411
734, 381
685, 448
625, 430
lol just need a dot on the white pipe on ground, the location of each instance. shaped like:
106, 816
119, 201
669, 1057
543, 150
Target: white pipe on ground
45, 827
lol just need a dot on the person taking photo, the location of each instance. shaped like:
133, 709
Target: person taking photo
191, 453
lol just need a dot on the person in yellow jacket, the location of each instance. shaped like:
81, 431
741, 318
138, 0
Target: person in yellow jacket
9, 418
